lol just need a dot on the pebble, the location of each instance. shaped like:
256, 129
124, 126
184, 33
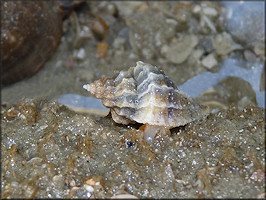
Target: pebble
79, 54
209, 61
72, 183
15, 185
29, 191
250, 56
196, 9
179, 50
169, 172
210, 11
101, 49
127, 8
224, 44
80, 192
197, 53
89, 189
119, 43
258, 176
259, 48
58, 181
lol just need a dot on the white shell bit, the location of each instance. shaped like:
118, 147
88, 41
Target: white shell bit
144, 94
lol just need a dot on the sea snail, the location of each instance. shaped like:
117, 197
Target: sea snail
144, 94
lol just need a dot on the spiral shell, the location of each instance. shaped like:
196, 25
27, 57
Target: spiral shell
144, 94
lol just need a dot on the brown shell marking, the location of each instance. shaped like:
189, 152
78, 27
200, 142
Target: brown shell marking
144, 94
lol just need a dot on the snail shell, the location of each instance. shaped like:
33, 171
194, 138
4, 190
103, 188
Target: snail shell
31, 32
144, 94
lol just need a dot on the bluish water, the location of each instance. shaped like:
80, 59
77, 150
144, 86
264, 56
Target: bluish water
230, 67
81, 101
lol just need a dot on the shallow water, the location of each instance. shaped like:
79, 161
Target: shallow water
230, 67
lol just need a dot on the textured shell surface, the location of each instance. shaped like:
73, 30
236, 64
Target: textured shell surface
144, 94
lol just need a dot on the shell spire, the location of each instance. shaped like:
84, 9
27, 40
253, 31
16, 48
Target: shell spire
144, 94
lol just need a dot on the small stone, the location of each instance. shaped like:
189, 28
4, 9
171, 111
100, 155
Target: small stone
224, 44
90, 182
196, 9
197, 53
89, 188
15, 185
143, 7
210, 11
127, 8
258, 176
29, 192
250, 56
72, 183
259, 49
111, 8
101, 49
89, 195
79, 54
80, 192
169, 173
179, 50
119, 43
99, 28
58, 181
209, 61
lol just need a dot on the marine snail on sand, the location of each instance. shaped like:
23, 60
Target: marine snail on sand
144, 94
